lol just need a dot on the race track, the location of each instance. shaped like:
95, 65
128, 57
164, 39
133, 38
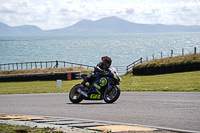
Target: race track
180, 110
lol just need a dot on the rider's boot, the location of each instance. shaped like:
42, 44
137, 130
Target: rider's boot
84, 86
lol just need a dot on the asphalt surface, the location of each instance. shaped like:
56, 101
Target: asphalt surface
179, 110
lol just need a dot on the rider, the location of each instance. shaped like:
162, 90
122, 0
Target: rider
102, 66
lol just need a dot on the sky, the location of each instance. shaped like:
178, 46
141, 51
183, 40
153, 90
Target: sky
55, 14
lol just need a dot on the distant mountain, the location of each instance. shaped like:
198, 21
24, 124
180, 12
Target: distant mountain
109, 25
6, 30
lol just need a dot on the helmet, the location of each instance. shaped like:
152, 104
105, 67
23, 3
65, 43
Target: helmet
107, 61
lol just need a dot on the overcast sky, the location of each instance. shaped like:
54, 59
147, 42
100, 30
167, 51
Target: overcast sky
53, 14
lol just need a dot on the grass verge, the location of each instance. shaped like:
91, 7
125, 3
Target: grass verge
36, 87
7, 128
44, 70
186, 81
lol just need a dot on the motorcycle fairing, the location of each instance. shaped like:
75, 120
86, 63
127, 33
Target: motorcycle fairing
96, 91
96, 87
103, 81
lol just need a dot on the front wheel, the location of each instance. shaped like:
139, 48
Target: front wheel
112, 95
74, 95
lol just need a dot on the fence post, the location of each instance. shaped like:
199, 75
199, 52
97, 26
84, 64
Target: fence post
17, 66
56, 66
171, 53
161, 55
41, 64
35, 65
141, 60
153, 56
182, 52
195, 50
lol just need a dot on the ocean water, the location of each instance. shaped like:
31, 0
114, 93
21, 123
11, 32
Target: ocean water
88, 49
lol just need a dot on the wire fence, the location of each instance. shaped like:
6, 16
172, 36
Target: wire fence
51, 64
141, 60
171, 54
41, 65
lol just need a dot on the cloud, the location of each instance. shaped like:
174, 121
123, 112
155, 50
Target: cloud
130, 11
52, 14
178, 13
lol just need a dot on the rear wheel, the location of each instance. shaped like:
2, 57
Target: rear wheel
112, 95
74, 95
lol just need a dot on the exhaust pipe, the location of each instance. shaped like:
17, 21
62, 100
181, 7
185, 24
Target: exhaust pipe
82, 92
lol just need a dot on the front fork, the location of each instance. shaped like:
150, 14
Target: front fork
110, 86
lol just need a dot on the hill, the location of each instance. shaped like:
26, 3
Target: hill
6, 30
109, 25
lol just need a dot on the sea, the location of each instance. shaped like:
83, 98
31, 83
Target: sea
88, 49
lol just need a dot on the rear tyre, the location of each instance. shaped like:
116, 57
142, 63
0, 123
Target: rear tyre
74, 95
112, 95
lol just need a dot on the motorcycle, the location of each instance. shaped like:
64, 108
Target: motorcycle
105, 86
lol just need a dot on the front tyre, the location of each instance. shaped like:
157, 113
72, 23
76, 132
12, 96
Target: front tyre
74, 95
112, 95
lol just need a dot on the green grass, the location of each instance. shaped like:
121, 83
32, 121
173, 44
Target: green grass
35, 87
187, 81
6, 128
